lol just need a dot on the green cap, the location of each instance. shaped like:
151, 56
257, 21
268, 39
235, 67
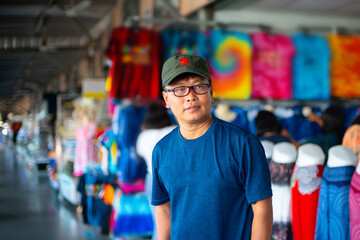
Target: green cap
180, 64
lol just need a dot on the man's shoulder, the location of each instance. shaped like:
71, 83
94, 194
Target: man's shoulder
167, 138
230, 127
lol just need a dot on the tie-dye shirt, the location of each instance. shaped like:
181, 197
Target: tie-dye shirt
311, 78
272, 56
230, 64
345, 65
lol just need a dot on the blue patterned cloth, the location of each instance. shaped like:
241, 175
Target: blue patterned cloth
333, 221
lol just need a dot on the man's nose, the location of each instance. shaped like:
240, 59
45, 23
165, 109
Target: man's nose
192, 96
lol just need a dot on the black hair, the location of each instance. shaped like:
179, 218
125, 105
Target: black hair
334, 121
156, 117
266, 121
356, 120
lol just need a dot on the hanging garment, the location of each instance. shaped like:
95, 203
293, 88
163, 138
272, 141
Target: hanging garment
135, 57
230, 64
354, 204
251, 113
345, 64
311, 68
280, 183
109, 141
333, 221
281, 168
351, 112
240, 119
131, 216
108, 198
272, 61
128, 125
305, 130
85, 154
288, 119
130, 166
304, 200
91, 189
181, 41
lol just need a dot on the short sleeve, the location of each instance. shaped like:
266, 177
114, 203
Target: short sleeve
159, 192
254, 170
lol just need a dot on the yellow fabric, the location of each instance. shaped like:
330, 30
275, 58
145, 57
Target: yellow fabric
108, 83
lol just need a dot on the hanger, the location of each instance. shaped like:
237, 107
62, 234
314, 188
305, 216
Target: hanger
305, 30
266, 29
343, 31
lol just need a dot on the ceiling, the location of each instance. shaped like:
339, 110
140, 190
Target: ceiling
40, 39
348, 8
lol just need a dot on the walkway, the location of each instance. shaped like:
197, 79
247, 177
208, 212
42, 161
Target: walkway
29, 208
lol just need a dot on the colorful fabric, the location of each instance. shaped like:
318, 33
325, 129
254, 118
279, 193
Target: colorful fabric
134, 187
311, 68
109, 141
272, 59
281, 173
85, 154
195, 181
354, 205
305, 188
230, 64
131, 216
108, 194
179, 41
91, 188
345, 64
280, 181
281, 231
135, 63
333, 220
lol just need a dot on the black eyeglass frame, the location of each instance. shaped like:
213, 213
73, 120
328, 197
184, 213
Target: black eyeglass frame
189, 88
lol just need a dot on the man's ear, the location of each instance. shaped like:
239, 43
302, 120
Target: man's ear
165, 96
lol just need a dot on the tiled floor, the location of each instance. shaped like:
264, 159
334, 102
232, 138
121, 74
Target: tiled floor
29, 209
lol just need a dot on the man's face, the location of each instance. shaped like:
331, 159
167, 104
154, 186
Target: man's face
193, 108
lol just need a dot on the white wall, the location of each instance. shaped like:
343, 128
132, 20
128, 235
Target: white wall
286, 21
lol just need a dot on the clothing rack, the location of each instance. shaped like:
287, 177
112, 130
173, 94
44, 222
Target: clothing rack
134, 20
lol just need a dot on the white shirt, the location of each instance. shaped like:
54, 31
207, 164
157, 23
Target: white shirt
147, 140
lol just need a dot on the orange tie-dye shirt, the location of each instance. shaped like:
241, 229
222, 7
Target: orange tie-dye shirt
345, 65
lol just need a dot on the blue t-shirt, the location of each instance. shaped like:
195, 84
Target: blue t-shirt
179, 41
211, 181
311, 69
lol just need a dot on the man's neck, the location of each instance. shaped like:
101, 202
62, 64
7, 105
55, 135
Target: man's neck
195, 130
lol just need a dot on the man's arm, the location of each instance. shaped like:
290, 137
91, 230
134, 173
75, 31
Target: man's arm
163, 221
263, 220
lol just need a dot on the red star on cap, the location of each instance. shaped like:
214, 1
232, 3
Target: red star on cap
184, 61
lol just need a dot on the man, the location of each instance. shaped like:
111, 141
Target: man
210, 178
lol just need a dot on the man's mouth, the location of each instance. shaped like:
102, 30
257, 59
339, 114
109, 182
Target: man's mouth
192, 108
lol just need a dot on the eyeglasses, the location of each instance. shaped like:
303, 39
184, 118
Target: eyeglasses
185, 90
